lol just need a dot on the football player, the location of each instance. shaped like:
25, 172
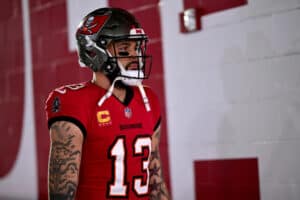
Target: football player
105, 132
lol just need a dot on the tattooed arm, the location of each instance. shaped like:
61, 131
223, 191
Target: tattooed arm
158, 188
64, 160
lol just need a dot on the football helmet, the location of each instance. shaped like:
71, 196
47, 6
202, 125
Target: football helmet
106, 26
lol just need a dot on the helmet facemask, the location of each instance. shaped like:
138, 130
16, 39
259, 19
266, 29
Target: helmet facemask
134, 71
134, 66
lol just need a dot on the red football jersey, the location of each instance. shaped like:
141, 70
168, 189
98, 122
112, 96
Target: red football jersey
117, 143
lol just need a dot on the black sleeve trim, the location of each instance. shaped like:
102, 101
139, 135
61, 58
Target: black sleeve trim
69, 119
157, 124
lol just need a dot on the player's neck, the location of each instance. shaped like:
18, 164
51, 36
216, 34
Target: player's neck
102, 81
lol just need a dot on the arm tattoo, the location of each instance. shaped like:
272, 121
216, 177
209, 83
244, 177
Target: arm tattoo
157, 186
63, 163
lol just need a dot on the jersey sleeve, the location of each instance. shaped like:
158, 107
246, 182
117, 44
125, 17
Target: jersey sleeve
65, 105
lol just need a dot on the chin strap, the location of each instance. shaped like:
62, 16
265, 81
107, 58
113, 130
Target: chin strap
111, 88
109, 91
145, 98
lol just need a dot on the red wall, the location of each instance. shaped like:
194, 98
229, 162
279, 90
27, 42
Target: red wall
12, 83
225, 179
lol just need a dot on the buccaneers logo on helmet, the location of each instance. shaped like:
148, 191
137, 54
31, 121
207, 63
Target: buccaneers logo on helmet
92, 24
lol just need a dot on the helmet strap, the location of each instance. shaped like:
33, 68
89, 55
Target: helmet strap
109, 92
144, 97
111, 88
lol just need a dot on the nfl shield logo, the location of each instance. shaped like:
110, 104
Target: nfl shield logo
128, 112
56, 105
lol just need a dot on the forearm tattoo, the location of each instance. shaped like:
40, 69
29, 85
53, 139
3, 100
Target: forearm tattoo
63, 163
157, 186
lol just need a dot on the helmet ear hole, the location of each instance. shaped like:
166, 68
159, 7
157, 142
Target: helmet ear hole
95, 58
91, 53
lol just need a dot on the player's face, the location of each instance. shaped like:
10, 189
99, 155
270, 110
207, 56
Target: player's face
127, 50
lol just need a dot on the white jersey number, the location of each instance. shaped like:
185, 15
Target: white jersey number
119, 187
63, 89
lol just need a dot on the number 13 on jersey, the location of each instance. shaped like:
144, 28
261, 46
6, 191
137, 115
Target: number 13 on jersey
119, 186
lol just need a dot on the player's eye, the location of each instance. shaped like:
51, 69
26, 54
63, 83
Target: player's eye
123, 50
